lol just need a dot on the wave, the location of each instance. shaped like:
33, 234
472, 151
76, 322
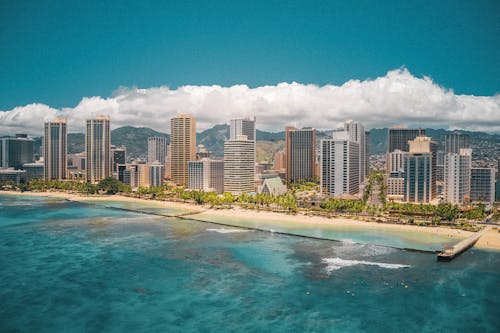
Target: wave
228, 231
338, 263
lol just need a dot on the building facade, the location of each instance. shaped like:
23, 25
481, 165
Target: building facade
157, 150
457, 177
340, 173
34, 170
206, 175
55, 149
241, 126
239, 166
300, 151
182, 147
118, 156
418, 177
455, 141
357, 134
398, 138
156, 174
482, 185
16, 151
98, 149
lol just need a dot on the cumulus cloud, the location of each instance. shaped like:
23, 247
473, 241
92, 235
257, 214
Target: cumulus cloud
398, 98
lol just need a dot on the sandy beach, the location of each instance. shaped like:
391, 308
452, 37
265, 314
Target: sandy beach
490, 240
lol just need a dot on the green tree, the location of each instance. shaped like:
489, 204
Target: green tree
110, 185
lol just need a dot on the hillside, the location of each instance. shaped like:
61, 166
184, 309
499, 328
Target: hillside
136, 141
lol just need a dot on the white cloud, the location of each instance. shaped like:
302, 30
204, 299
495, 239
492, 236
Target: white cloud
396, 98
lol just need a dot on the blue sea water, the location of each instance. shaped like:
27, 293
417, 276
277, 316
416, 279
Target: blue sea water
67, 266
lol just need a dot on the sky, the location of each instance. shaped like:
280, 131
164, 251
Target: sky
311, 63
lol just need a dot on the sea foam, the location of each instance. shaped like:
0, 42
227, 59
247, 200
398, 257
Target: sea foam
338, 263
228, 231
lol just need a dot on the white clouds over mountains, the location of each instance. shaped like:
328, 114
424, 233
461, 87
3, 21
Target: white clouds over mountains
396, 98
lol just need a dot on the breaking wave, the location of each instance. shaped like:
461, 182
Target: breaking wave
337, 263
228, 231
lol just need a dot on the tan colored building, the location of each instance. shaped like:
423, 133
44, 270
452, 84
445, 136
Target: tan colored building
98, 149
279, 160
55, 149
182, 147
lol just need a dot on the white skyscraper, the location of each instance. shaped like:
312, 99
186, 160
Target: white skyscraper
340, 165
239, 165
357, 134
457, 176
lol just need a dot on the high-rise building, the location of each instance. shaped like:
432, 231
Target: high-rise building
300, 145
398, 138
424, 144
395, 179
157, 150
156, 174
98, 148
340, 165
419, 175
482, 185
206, 175
455, 141
182, 146
14, 152
118, 156
131, 176
457, 176
367, 153
55, 150
357, 134
239, 165
396, 162
243, 127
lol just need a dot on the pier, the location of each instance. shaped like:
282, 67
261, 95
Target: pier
450, 252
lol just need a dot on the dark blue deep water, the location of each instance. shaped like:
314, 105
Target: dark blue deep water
68, 266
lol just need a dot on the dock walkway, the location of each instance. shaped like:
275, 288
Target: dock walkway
450, 252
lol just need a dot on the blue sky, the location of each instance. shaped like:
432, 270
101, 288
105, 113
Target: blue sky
56, 52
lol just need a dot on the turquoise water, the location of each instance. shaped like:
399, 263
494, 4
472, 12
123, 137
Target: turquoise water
349, 233
67, 266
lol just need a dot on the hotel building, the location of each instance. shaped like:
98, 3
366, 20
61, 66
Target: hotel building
457, 176
340, 165
55, 149
239, 165
300, 151
182, 147
482, 185
98, 149
206, 175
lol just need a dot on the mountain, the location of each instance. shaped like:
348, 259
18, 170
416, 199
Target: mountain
213, 139
136, 141
378, 139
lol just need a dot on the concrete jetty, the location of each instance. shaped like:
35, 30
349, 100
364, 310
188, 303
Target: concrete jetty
450, 252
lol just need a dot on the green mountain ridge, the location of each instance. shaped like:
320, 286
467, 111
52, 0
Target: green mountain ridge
136, 139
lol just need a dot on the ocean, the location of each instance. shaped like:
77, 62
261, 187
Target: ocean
75, 267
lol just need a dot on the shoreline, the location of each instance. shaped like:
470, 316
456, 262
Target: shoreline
490, 241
